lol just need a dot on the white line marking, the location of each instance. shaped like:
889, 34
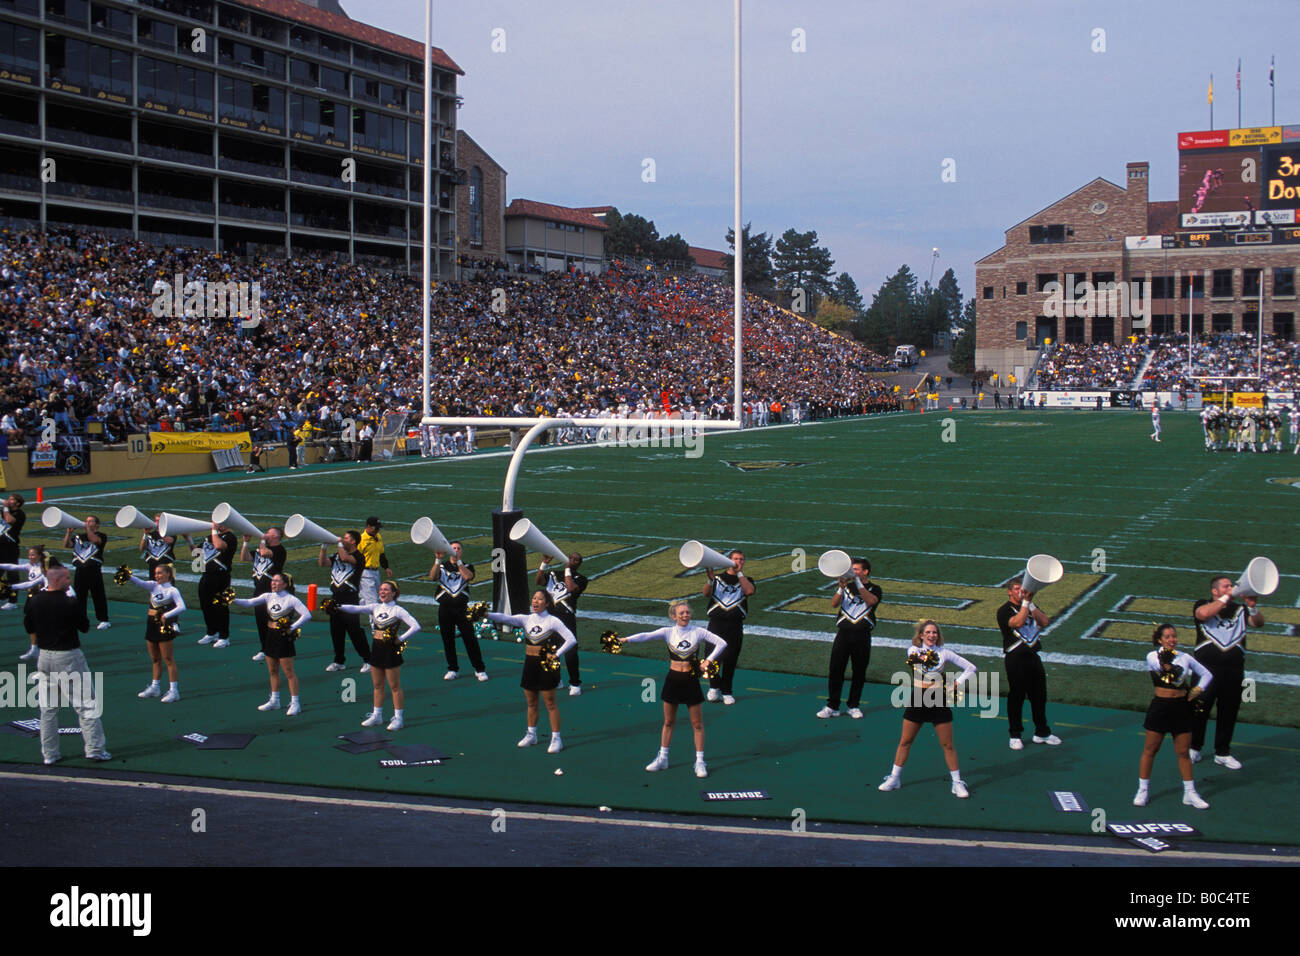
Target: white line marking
389, 806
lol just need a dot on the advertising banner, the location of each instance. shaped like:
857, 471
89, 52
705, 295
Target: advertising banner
206, 442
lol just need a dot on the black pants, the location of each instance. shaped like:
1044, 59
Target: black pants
1026, 678
348, 625
263, 619
1228, 670
216, 617
733, 632
451, 617
89, 582
851, 644
9, 555
571, 658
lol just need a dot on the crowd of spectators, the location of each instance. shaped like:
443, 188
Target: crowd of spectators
1226, 355
1098, 366
80, 342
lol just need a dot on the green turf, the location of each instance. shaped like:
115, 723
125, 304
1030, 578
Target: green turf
943, 523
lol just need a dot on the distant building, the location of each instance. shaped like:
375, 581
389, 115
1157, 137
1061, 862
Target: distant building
711, 262
553, 238
480, 204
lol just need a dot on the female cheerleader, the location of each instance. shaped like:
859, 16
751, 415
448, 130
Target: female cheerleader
280, 603
927, 660
35, 570
165, 606
541, 631
386, 654
1170, 712
682, 685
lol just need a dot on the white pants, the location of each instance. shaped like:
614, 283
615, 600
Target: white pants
78, 682
370, 586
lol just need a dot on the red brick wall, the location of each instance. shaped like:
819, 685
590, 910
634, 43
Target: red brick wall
469, 155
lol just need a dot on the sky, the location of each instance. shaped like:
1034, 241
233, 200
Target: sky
1021, 102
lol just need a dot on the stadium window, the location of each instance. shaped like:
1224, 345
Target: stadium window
1198, 324
476, 206
1044, 279
1103, 329
69, 11
1283, 281
1221, 322
1198, 286
1250, 322
1222, 284
304, 39
18, 45
232, 18
1074, 330
333, 48
1022, 329
30, 7
1250, 279
110, 20
303, 72
1043, 234
364, 89
334, 80
1284, 326
988, 291
1162, 287
1162, 324
156, 33
1097, 277
1022, 288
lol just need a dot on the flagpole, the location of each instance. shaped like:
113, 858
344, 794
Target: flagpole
1238, 92
1211, 101
1272, 93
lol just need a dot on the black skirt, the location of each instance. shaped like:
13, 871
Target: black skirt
151, 633
1169, 715
928, 715
385, 654
534, 678
279, 644
682, 688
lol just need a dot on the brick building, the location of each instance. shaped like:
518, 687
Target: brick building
1210, 279
481, 203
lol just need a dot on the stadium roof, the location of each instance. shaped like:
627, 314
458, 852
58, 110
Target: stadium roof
545, 210
708, 258
346, 26
598, 211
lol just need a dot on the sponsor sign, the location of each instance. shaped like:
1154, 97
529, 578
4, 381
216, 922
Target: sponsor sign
1239, 217
66, 455
1255, 136
1203, 140
713, 796
1143, 242
1067, 801
183, 442
1275, 217
1290, 134
1248, 399
1156, 829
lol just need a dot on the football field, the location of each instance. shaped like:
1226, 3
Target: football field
946, 506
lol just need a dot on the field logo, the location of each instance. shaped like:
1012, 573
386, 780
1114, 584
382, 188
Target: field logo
209, 300
763, 465
1293, 482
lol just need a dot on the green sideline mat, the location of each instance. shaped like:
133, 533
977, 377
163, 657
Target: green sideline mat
768, 741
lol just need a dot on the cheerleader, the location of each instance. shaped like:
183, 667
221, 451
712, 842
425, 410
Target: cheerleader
541, 631
682, 685
1170, 712
165, 606
926, 661
386, 654
156, 549
35, 571
280, 603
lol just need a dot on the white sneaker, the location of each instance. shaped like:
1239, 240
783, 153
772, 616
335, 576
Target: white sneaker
529, 740
365, 669
397, 723
1193, 799
1194, 756
103, 625
728, 699
556, 745
259, 656
172, 696
855, 713
8, 606
1051, 739
959, 790
1140, 800
224, 642
373, 720
271, 704
701, 770
825, 713
481, 675
153, 690
659, 763
890, 783
29, 655
295, 708
451, 675
334, 666
207, 638
714, 695
1017, 744
1231, 762
575, 690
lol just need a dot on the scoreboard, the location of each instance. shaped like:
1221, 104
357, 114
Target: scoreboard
1239, 178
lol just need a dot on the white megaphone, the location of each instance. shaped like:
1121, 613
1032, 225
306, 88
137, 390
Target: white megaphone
173, 526
131, 517
426, 534
299, 527
1258, 580
693, 555
531, 537
232, 519
1040, 571
56, 518
835, 564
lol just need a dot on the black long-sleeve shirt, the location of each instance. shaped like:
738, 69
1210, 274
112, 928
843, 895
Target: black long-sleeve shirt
55, 617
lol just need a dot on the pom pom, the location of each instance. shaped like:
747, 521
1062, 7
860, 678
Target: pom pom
224, 597
709, 669
476, 612
609, 642
330, 606
123, 575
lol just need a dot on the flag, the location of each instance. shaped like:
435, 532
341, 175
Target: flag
1239, 74
1270, 71
1209, 97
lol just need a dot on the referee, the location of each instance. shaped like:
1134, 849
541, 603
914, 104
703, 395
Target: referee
372, 549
